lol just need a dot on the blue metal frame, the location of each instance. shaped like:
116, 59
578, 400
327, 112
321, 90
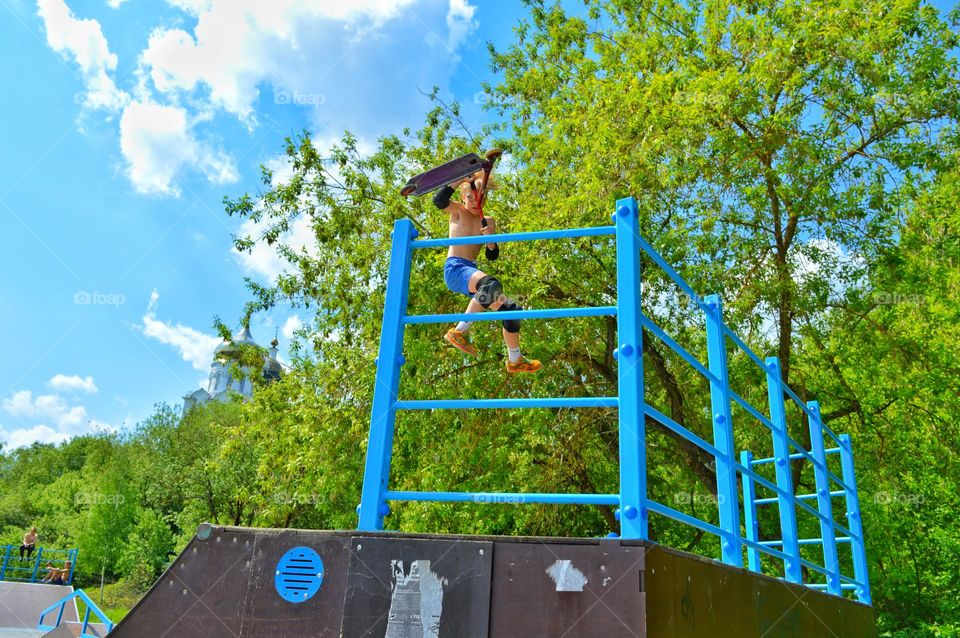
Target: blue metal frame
634, 504
862, 579
10, 566
634, 509
92, 609
727, 493
751, 525
781, 450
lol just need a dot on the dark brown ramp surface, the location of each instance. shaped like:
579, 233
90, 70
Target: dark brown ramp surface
21, 604
252, 583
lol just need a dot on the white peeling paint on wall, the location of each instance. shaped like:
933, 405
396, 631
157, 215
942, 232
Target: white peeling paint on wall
566, 576
416, 602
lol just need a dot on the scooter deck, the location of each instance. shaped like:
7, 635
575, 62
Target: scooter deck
444, 174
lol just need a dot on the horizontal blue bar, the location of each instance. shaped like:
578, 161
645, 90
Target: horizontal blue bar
802, 541
777, 490
793, 457
682, 431
802, 497
836, 479
764, 548
676, 347
466, 404
814, 567
669, 512
509, 237
824, 586
744, 347
547, 313
673, 274
750, 409
504, 497
801, 452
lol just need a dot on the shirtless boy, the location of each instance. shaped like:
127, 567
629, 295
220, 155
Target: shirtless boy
462, 276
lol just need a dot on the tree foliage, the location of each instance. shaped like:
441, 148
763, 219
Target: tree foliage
798, 158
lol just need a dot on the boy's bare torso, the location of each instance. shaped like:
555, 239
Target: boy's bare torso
463, 223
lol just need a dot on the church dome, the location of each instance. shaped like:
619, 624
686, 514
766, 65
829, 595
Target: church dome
243, 336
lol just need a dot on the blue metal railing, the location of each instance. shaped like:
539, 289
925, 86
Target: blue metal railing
91, 609
737, 480
12, 568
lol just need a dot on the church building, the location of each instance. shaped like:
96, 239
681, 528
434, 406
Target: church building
223, 382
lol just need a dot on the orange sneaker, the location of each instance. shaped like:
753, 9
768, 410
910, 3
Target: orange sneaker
523, 365
459, 341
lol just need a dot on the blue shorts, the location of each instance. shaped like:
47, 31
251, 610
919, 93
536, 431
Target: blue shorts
457, 272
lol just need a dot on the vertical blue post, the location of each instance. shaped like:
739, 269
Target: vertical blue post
632, 427
750, 523
854, 521
781, 453
727, 489
828, 537
36, 565
383, 414
72, 556
6, 559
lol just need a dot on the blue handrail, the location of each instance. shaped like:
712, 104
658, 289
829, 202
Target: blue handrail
12, 569
737, 476
60, 606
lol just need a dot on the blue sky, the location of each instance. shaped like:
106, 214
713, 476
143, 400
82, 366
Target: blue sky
123, 125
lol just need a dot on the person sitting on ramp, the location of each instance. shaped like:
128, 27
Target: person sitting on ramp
461, 274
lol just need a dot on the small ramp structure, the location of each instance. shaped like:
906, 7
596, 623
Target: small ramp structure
22, 603
235, 583
246, 583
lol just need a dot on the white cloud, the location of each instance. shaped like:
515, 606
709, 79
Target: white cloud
238, 44
460, 23
158, 140
76, 383
292, 324
22, 437
23, 404
263, 260
83, 40
193, 346
326, 58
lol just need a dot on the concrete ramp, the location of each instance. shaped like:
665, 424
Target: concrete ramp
253, 583
73, 630
21, 604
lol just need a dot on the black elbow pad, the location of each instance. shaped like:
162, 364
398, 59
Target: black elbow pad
492, 253
442, 197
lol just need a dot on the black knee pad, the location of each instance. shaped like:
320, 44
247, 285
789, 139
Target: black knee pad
489, 290
511, 325
442, 197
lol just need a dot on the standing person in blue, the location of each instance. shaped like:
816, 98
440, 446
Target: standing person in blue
461, 274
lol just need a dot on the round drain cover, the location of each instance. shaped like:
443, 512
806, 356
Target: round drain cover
299, 575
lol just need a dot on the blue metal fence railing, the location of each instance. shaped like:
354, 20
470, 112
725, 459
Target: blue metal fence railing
91, 610
738, 479
33, 568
